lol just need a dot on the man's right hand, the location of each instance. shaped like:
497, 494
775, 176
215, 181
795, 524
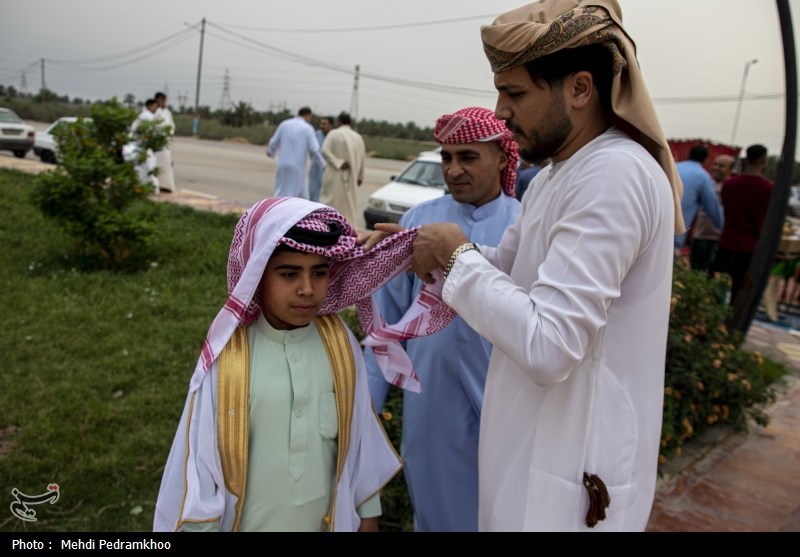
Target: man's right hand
382, 230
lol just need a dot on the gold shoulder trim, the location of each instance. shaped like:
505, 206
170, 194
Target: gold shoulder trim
233, 413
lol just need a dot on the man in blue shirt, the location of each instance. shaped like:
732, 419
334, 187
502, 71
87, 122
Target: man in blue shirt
441, 423
698, 191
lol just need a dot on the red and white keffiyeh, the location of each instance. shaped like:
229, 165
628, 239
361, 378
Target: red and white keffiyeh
354, 276
478, 125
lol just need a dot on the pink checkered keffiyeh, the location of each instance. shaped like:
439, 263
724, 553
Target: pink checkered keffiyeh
354, 276
474, 125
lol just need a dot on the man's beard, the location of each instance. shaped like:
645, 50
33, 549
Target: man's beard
549, 137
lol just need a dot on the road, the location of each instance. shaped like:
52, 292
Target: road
243, 173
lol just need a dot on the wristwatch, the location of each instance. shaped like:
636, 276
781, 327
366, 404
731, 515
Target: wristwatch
458, 251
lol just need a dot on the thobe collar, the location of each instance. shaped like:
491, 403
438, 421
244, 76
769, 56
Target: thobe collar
485, 211
282, 336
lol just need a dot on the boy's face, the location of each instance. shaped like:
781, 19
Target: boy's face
293, 288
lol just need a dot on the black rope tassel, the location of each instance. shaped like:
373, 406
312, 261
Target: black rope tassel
599, 500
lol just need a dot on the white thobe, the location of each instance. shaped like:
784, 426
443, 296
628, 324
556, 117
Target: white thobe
296, 140
339, 185
575, 300
166, 177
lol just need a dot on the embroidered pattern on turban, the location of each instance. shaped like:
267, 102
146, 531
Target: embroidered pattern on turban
477, 125
541, 28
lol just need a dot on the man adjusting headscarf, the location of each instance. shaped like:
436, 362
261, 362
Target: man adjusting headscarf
478, 125
575, 298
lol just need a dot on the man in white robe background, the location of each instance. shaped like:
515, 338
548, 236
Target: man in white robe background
166, 176
346, 154
296, 141
576, 297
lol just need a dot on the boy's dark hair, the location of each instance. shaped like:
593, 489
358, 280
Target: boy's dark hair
595, 59
698, 153
303, 111
311, 237
160, 95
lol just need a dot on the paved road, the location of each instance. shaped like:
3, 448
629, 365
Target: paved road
243, 173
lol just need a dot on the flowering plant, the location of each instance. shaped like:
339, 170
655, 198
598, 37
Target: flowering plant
709, 379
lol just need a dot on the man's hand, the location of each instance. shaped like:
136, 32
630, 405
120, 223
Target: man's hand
369, 525
345, 166
382, 230
434, 245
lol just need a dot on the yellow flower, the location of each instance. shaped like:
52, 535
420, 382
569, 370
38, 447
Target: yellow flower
687, 338
667, 391
679, 284
662, 459
677, 450
717, 364
701, 386
386, 415
732, 377
746, 384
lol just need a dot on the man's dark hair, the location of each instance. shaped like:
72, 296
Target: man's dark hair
698, 153
160, 95
344, 118
303, 111
148, 102
755, 152
595, 59
328, 118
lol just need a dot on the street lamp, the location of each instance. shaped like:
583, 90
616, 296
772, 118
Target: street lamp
741, 97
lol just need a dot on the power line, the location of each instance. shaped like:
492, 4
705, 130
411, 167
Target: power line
359, 29
134, 51
177, 39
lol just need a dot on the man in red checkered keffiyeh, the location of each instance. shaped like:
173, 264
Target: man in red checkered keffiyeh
478, 125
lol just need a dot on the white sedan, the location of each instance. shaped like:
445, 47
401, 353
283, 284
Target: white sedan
44, 145
15, 135
420, 181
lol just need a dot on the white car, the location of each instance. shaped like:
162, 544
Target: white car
44, 145
420, 181
15, 135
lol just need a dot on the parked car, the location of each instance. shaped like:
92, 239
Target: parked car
15, 135
420, 181
44, 145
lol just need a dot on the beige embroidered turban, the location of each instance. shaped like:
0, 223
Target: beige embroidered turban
541, 28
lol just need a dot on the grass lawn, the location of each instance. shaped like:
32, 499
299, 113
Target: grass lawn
96, 365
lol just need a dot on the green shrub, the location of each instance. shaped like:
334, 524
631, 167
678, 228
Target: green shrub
709, 379
92, 193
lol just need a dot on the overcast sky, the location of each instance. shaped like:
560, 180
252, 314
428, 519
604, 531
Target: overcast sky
302, 52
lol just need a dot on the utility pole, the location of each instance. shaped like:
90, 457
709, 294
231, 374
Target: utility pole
354, 101
196, 121
41, 93
23, 87
741, 98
